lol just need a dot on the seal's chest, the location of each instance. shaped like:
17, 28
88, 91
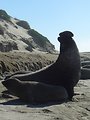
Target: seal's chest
71, 57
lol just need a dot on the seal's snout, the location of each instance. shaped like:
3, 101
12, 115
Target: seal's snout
58, 38
7, 83
65, 35
4, 83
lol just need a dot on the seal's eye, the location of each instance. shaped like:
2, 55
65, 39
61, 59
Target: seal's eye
62, 39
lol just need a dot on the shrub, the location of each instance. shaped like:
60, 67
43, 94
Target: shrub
23, 24
1, 30
38, 38
4, 15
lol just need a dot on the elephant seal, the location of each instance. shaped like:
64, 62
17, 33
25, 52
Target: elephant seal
85, 73
35, 92
85, 63
65, 71
86, 66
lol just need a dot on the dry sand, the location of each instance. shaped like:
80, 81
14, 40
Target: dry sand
14, 109
79, 109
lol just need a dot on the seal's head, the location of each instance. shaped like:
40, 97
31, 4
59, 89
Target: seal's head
64, 36
10, 83
66, 41
13, 85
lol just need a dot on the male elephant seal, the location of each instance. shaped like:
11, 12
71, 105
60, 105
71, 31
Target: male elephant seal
65, 71
85, 73
35, 92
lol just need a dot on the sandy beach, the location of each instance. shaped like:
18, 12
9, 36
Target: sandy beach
18, 57
79, 109
13, 109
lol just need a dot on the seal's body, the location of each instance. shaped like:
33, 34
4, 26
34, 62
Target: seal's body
35, 92
85, 73
65, 71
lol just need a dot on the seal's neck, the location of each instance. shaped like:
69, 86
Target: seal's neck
67, 49
68, 45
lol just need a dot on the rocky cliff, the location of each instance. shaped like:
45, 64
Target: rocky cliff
17, 34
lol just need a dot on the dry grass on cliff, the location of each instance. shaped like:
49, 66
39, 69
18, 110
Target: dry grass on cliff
26, 61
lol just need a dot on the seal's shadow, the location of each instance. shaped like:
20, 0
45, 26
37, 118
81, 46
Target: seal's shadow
17, 101
13, 102
32, 105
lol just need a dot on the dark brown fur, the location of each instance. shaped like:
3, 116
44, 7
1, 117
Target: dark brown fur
35, 92
65, 71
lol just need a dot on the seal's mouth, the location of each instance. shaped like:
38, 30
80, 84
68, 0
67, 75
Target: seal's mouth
61, 39
58, 39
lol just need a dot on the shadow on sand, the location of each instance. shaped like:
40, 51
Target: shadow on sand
32, 105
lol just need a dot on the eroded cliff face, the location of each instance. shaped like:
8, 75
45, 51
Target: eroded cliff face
17, 34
